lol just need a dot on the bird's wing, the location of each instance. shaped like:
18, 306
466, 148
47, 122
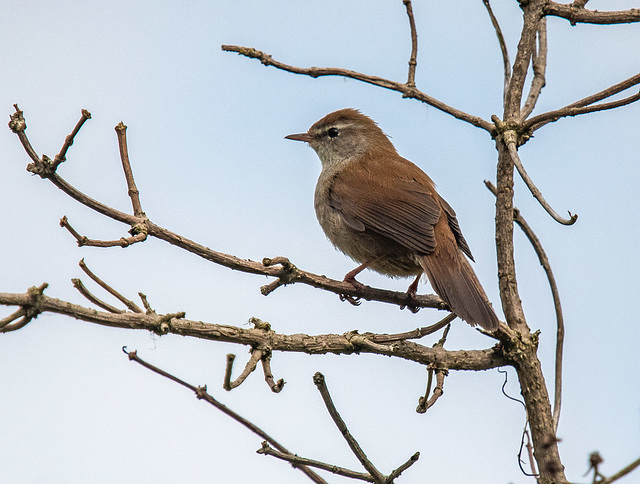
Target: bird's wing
455, 228
405, 209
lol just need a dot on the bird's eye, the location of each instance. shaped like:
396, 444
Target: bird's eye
333, 132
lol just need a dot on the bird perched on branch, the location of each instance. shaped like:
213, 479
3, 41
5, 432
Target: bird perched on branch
385, 213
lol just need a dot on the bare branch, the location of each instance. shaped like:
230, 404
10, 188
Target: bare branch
201, 394
134, 194
503, 48
544, 262
576, 13
513, 151
61, 156
302, 343
127, 302
413, 62
537, 122
539, 70
407, 91
18, 125
303, 461
396, 472
251, 365
425, 403
319, 381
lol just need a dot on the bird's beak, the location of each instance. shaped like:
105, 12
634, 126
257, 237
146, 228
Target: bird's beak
300, 137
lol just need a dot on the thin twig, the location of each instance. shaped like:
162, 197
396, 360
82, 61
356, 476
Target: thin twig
513, 151
251, 365
414, 334
77, 283
127, 302
425, 403
413, 62
201, 393
537, 122
544, 262
407, 91
83, 240
319, 381
503, 47
134, 194
295, 460
539, 64
396, 472
62, 155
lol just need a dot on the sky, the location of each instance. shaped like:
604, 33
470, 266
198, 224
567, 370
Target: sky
206, 141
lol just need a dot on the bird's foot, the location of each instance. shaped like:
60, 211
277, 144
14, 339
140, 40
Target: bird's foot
358, 286
412, 291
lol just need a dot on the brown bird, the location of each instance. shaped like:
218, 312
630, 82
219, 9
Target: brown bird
384, 212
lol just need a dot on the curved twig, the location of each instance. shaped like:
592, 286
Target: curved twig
513, 151
407, 91
251, 365
77, 283
276, 387
127, 302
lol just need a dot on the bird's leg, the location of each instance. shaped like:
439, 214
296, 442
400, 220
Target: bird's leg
350, 277
412, 291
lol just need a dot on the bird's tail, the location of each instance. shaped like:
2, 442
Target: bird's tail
453, 279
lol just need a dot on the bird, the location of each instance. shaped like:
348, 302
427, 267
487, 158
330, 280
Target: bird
384, 212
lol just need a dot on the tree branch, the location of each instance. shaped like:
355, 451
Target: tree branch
176, 323
407, 91
621, 473
576, 13
201, 394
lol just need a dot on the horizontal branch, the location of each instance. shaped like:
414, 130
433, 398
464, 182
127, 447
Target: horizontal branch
407, 90
348, 343
576, 13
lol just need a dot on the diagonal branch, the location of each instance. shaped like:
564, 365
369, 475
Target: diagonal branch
201, 394
576, 13
62, 155
127, 302
407, 91
513, 151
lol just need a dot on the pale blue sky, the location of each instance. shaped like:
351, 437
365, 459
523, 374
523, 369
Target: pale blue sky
206, 141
